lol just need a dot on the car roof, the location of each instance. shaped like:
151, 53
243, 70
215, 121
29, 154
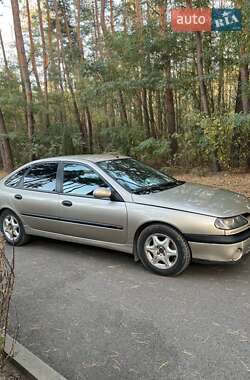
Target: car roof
84, 157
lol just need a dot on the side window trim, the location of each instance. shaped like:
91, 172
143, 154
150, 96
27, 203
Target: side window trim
30, 168
59, 177
24, 174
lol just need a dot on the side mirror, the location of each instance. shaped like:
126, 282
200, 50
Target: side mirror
102, 193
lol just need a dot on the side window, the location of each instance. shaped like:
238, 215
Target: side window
16, 179
41, 177
79, 179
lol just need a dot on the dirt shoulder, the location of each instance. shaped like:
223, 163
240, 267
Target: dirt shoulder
12, 372
239, 182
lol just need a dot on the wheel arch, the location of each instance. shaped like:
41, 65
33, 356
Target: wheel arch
7, 208
147, 224
4, 208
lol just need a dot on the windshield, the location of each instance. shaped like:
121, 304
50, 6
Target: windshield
135, 176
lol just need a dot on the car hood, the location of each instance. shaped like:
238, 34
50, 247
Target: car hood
200, 199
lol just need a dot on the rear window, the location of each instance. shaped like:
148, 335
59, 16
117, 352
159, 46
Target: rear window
16, 179
41, 177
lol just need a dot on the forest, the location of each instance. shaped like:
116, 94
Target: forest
95, 76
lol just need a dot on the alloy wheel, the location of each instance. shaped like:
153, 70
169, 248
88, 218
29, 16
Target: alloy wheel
161, 251
11, 228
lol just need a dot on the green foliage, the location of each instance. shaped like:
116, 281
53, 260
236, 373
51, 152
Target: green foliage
67, 143
153, 151
204, 136
118, 68
121, 139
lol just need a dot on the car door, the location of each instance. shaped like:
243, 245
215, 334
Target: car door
84, 216
36, 199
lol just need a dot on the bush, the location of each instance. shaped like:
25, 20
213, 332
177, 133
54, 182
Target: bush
121, 139
47, 143
155, 152
205, 137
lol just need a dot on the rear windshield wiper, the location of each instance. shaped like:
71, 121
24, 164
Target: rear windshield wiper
152, 188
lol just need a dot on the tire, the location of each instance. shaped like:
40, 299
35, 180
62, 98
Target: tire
163, 250
9, 218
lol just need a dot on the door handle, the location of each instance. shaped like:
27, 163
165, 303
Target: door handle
67, 203
18, 196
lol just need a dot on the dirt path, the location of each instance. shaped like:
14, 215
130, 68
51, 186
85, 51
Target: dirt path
239, 182
13, 373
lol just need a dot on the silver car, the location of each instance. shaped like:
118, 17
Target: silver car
119, 203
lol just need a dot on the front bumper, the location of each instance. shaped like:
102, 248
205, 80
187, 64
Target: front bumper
229, 248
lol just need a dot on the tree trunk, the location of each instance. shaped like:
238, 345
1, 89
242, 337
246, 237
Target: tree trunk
5, 148
90, 130
112, 23
162, 17
138, 12
78, 27
220, 100
244, 59
94, 34
204, 95
45, 64
170, 112
200, 68
97, 21
103, 21
97, 29
159, 113
49, 34
32, 48
203, 88
209, 68
139, 114
124, 16
3, 51
51, 60
23, 68
235, 143
66, 25
79, 121
238, 100
244, 78
200, 71
151, 113
112, 115
123, 111
169, 94
242, 104
59, 63
145, 112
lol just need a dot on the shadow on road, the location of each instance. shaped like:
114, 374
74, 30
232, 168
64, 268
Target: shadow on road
105, 257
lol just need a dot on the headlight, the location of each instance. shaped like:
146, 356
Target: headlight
230, 223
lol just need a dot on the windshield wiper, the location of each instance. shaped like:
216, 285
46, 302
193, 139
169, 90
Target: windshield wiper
152, 188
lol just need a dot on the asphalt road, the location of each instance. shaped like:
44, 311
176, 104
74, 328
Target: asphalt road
94, 314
